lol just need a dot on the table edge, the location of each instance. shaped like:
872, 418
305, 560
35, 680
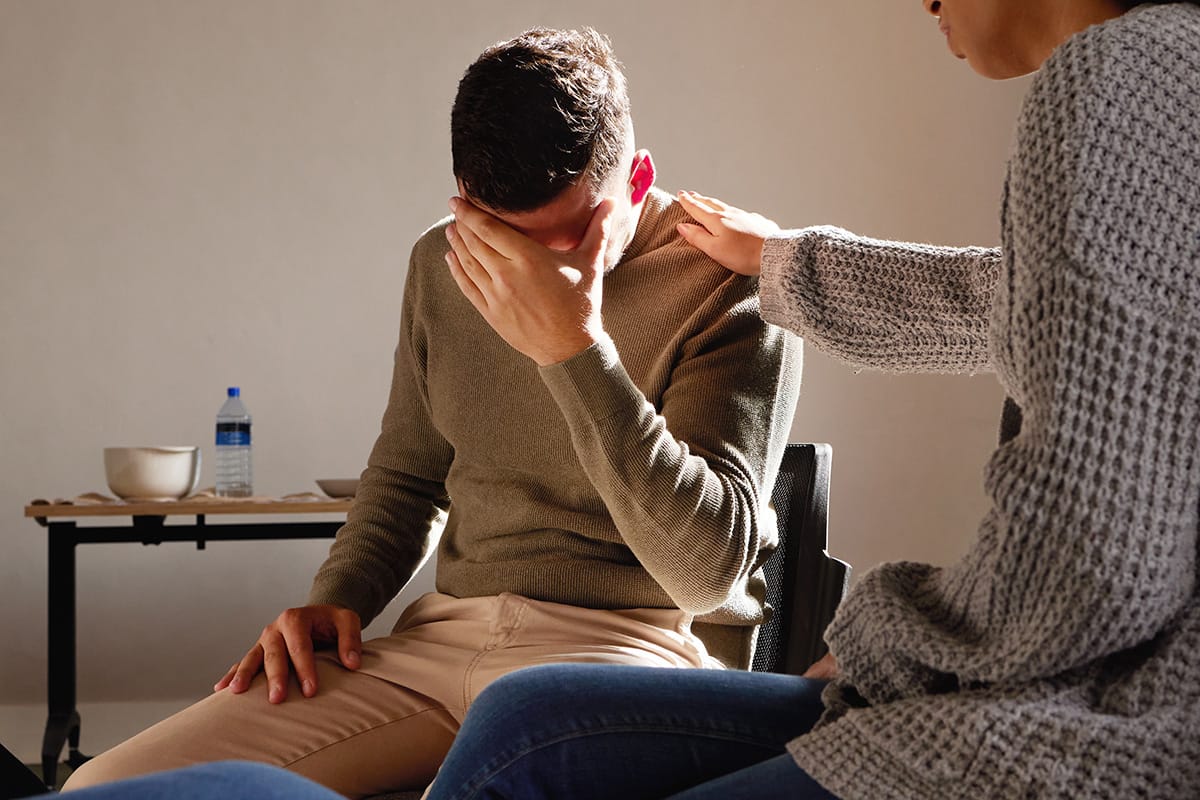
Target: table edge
173, 509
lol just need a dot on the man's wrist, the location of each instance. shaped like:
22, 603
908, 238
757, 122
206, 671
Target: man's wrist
566, 349
592, 384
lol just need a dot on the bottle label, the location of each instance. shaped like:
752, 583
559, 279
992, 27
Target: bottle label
233, 434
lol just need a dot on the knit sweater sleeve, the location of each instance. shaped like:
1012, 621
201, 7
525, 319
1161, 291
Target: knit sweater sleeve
401, 498
686, 484
882, 305
1090, 546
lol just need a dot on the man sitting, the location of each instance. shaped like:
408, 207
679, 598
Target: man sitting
602, 481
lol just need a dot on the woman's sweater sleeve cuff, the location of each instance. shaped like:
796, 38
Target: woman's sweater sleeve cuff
592, 384
786, 262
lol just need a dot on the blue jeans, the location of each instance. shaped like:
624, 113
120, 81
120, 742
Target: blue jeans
222, 780
593, 731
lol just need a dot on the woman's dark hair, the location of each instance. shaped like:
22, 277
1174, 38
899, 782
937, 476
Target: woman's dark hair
537, 114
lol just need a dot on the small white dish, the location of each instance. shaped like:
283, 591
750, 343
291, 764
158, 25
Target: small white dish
338, 487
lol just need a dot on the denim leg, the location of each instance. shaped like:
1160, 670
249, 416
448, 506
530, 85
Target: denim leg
221, 780
598, 731
778, 778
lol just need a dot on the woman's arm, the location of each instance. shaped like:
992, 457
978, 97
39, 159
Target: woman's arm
875, 304
882, 305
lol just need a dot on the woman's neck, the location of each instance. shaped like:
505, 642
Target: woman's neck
1066, 18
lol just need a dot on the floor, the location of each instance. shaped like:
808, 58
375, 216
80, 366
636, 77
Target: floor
64, 771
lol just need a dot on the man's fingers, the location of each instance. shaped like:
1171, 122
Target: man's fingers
487, 256
227, 679
469, 280
350, 642
246, 670
470, 265
276, 664
496, 234
465, 285
298, 639
595, 238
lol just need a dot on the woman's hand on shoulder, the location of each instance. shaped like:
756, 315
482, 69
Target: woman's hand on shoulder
730, 236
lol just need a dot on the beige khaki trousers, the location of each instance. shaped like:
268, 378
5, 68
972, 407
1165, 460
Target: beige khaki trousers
387, 725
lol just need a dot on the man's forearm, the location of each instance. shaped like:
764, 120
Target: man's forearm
384, 541
688, 506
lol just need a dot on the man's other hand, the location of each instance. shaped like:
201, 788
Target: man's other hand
543, 302
289, 641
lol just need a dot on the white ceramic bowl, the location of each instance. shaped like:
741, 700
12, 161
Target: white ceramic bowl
152, 473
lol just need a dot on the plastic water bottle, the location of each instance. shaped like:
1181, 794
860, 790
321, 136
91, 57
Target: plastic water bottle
235, 477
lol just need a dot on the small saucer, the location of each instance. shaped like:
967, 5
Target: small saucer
338, 487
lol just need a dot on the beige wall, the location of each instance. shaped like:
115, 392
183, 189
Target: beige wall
198, 194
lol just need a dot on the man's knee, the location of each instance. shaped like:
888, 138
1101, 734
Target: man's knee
104, 768
224, 779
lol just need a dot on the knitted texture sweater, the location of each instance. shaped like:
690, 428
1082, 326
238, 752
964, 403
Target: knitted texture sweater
1060, 657
633, 475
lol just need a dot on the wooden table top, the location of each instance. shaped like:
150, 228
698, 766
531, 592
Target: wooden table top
223, 505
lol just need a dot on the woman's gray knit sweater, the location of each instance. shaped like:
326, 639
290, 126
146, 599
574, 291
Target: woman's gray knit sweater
1061, 656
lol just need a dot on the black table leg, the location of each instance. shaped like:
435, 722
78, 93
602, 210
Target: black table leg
62, 726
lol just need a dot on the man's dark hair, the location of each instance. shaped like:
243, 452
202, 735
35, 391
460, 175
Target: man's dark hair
537, 114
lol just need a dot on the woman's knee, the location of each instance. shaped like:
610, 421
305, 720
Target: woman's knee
511, 695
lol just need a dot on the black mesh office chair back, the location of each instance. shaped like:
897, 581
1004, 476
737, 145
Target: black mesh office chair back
804, 583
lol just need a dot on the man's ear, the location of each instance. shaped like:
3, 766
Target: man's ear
641, 176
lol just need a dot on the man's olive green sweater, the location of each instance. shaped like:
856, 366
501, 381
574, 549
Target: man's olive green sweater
633, 475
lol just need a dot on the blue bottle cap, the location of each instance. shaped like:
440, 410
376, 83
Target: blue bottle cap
234, 391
